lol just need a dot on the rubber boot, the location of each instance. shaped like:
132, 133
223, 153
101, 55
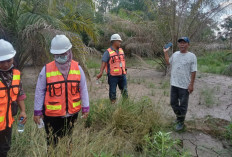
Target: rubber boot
180, 123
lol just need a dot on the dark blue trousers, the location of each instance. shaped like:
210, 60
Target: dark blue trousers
119, 81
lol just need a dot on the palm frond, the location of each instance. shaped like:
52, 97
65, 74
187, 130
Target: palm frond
79, 51
31, 24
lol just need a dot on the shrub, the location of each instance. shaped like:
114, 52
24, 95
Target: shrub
110, 130
162, 145
215, 62
229, 132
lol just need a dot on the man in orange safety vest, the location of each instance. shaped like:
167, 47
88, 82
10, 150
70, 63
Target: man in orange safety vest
113, 61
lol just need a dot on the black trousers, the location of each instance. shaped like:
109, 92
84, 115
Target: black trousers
5, 141
179, 102
58, 127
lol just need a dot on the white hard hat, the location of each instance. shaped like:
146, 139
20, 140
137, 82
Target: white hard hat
60, 44
115, 37
6, 50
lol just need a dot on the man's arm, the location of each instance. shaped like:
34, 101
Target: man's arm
166, 56
191, 85
105, 60
193, 74
20, 100
103, 65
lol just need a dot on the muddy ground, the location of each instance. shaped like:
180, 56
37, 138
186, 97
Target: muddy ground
210, 105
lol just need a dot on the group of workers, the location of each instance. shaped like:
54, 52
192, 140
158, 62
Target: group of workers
61, 90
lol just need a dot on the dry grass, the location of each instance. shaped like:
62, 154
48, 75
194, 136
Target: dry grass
110, 130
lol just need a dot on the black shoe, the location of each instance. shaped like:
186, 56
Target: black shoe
179, 126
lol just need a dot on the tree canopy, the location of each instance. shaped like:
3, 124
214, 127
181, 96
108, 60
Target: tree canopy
144, 25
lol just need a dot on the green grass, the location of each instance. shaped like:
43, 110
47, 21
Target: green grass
152, 62
207, 96
137, 81
150, 85
215, 62
153, 92
110, 130
133, 62
93, 62
165, 84
229, 132
161, 145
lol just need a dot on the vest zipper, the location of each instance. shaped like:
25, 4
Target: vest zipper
8, 106
66, 94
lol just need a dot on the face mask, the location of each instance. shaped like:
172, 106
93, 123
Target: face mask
61, 59
8, 69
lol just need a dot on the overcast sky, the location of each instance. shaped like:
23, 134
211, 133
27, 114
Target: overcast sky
228, 11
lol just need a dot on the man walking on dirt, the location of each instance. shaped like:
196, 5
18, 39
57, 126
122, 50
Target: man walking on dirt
113, 61
183, 72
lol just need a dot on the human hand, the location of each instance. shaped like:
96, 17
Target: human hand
99, 75
190, 88
166, 50
85, 115
24, 115
37, 119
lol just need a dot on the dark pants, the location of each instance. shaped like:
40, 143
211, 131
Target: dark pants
179, 102
119, 81
58, 127
5, 141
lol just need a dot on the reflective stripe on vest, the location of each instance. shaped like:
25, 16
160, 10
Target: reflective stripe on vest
53, 73
53, 107
75, 104
16, 77
58, 73
77, 72
2, 119
61, 94
110, 52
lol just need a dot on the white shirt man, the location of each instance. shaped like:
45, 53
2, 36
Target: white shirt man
183, 73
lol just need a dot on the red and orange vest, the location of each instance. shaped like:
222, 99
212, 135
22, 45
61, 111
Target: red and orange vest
62, 96
7, 96
116, 63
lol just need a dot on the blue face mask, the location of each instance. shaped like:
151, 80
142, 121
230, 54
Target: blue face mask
61, 59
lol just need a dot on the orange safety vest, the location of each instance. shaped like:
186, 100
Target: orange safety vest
62, 96
116, 63
7, 96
